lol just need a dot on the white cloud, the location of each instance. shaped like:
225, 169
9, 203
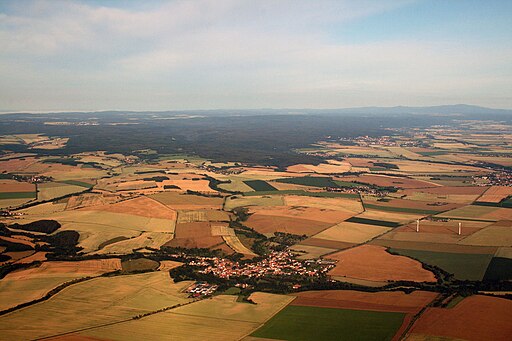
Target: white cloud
207, 53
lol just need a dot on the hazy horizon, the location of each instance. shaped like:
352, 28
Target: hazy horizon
232, 55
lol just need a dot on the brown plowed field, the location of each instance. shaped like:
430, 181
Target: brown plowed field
201, 242
16, 186
192, 185
16, 164
270, 224
475, 318
224, 248
395, 301
141, 206
496, 194
192, 235
359, 162
373, 263
193, 230
385, 181
19, 240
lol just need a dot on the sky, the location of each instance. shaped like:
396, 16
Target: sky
240, 54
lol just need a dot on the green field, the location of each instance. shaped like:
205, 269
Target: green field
314, 181
259, 185
499, 269
314, 323
400, 209
347, 184
462, 265
373, 222
77, 183
17, 195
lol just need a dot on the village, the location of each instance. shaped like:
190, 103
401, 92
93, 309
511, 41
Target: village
280, 263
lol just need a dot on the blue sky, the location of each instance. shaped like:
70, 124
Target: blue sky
210, 54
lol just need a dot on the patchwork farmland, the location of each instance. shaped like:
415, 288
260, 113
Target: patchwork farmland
374, 240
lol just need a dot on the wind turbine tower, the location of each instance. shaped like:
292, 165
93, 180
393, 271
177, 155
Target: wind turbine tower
417, 225
460, 228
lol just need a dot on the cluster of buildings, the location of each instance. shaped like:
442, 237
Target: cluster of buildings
368, 140
199, 289
501, 178
358, 190
277, 263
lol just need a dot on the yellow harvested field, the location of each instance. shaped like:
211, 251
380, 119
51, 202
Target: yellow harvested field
332, 167
400, 151
50, 143
33, 283
498, 234
236, 185
181, 201
97, 227
266, 174
46, 208
352, 232
10, 203
141, 206
496, 194
398, 217
429, 167
309, 213
31, 138
202, 215
191, 216
241, 201
219, 318
52, 190
89, 199
235, 243
166, 265
335, 204
358, 150
504, 252
475, 212
217, 215
441, 238
175, 327
220, 229
227, 307
133, 185
146, 239
93, 303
